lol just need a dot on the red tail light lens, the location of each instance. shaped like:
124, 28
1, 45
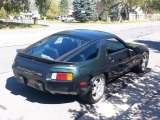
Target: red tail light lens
62, 76
83, 84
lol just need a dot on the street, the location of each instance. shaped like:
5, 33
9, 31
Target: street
133, 96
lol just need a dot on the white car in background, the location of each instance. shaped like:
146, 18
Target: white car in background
67, 18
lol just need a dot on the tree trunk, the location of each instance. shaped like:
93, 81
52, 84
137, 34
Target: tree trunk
35, 20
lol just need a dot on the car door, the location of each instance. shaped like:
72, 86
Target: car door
118, 56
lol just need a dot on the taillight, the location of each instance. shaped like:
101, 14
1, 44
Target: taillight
83, 84
62, 76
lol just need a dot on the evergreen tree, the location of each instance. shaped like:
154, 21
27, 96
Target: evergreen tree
64, 7
94, 9
83, 10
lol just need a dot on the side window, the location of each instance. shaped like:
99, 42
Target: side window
113, 45
89, 53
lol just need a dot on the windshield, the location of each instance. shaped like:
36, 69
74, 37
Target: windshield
54, 47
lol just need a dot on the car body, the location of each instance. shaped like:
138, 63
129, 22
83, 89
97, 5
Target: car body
75, 61
67, 19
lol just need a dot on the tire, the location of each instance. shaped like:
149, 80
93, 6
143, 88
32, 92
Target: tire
143, 64
96, 90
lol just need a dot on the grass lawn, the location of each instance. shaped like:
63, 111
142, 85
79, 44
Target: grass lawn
12, 26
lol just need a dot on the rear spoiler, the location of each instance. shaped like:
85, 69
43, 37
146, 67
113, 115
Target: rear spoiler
20, 52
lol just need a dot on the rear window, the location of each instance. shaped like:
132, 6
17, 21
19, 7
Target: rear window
54, 47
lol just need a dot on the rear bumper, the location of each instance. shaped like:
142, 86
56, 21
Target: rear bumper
36, 74
61, 88
49, 86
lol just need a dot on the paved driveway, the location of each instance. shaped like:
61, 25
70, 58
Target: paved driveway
130, 97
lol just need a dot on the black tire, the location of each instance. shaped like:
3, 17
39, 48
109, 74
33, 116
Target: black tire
142, 66
89, 97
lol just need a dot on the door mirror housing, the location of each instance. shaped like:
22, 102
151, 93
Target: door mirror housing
131, 51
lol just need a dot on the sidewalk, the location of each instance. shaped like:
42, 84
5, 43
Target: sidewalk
130, 97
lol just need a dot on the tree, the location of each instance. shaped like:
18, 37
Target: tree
48, 8
2, 3
120, 9
108, 6
3, 13
129, 5
43, 6
53, 10
64, 7
155, 5
82, 10
151, 6
14, 6
94, 9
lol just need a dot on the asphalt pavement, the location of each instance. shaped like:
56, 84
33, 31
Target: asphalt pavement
130, 97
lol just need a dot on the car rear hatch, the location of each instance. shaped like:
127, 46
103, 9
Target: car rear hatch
34, 71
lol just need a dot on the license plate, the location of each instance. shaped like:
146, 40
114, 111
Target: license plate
35, 84
21, 80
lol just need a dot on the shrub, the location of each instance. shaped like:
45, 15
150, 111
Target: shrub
3, 13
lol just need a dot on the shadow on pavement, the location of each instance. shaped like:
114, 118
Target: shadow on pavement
155, 45
34, 95
126, 90
151, 109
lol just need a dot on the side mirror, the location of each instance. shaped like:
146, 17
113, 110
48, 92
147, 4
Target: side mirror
131, 52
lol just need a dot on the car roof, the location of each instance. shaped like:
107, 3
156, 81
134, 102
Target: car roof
89, 35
